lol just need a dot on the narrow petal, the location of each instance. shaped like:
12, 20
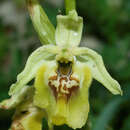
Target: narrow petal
99, 72
69, 30
42, 25
35, 60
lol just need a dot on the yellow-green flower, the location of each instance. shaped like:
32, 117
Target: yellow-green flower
63, 73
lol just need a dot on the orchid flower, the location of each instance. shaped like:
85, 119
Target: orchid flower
62, 73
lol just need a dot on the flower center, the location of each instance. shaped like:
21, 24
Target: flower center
63, 84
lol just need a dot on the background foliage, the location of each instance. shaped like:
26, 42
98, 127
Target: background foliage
106, 29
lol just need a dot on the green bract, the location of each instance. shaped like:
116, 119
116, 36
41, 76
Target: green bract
63, 73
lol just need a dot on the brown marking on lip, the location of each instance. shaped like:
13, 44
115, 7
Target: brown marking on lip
58, 91
65, 87
53, 89
63, 78
72, 90
53, 77
73, 78
63, 74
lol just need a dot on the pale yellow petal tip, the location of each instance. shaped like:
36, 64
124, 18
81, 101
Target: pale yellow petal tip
118, 92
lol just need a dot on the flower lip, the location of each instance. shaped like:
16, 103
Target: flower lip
63, 83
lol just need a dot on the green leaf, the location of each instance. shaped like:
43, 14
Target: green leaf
111, 109
107, 114
126, 124
42, 25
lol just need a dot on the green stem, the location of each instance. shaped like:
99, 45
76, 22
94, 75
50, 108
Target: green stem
70, 5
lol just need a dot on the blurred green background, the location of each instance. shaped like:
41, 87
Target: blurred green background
106, 30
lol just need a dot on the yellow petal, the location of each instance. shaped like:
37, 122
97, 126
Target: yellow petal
78, 104
61, 112
33, 121
43, 97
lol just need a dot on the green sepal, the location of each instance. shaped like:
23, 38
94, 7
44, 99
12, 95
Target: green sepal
42, 25
35, 60
69, 29
99, 72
